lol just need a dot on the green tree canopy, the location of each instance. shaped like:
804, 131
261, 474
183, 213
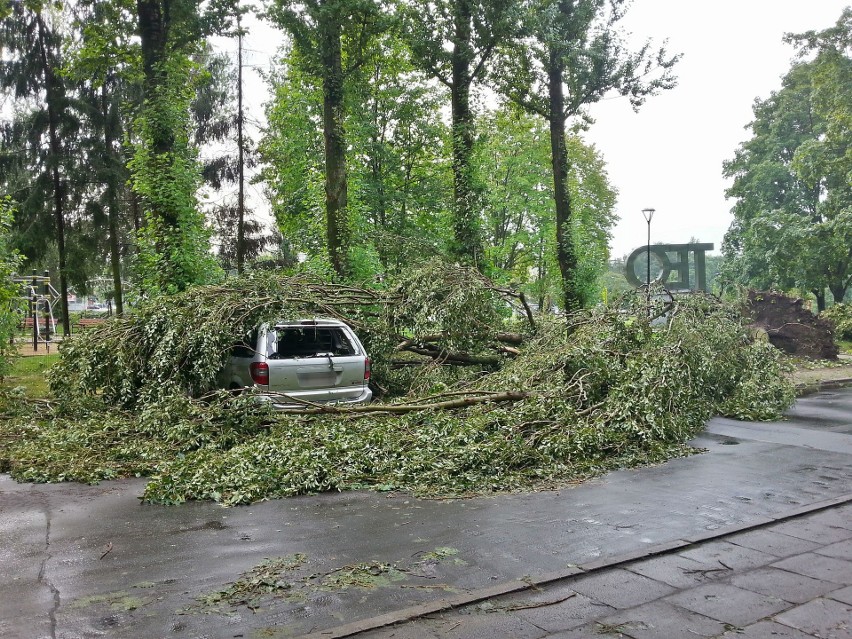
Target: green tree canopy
398, 185
792, 181
572, 56
519, 226
40, 161
454, 42
173, 244
331, 38
104, 59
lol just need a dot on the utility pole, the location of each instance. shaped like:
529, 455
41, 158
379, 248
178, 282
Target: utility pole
241, 197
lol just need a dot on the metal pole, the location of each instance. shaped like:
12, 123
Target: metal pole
34, 314
648, 214
47, 313
34, 311
648, 265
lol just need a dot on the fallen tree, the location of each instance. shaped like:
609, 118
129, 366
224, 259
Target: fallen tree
463, 399
435, 314
612, 391
790, 326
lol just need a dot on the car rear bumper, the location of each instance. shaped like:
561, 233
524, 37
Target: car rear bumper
280, 401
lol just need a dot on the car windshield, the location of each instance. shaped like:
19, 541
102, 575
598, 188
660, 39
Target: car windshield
312, 341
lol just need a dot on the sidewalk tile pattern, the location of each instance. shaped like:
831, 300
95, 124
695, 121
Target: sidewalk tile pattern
782, 584
663, 619
729, 604
772, 542
766, 630
821, 618
791, 580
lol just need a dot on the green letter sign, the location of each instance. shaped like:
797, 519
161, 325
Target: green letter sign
673, 257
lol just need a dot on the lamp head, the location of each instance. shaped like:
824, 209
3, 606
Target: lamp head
648, 214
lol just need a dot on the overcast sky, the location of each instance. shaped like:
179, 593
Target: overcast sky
669, 156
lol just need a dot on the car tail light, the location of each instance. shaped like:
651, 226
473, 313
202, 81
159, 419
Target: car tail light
259, 373
368, 368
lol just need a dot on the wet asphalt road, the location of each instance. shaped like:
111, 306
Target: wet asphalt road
81, 561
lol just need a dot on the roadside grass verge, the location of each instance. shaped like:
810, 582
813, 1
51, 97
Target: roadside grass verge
30, 374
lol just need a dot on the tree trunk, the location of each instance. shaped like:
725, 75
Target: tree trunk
153, 33
467, 249
337, 218
136, 209
820, 299
542, 274
112, 204
53, 94
838, 292
376, 164
173, 240
566, 254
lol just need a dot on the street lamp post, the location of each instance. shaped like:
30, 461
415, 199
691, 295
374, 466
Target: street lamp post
648, 214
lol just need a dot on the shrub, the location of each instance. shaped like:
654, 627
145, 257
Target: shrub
9, 311
841, 316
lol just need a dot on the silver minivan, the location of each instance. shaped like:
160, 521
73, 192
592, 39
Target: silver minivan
316, 361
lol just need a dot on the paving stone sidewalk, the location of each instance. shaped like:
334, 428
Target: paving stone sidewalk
788, 580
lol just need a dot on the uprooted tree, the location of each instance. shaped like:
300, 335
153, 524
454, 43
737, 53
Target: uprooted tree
790, 326
527, 409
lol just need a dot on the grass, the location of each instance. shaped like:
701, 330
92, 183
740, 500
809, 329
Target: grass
30, 373
845, 346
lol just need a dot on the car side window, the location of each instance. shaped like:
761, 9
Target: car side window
289, 343
341, 344
244, 347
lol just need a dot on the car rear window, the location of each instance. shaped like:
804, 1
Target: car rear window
312, 341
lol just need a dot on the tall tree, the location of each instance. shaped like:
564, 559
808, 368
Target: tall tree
513, 158
36, 144
793, 213
399, 180
218, 123
453, 41
520, 230
291, 152
241, 151
104, 60
403, 182
825, 163
174, 244
572, 57
331, 37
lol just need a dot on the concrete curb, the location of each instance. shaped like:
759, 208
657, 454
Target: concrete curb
448, 603
828, 384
